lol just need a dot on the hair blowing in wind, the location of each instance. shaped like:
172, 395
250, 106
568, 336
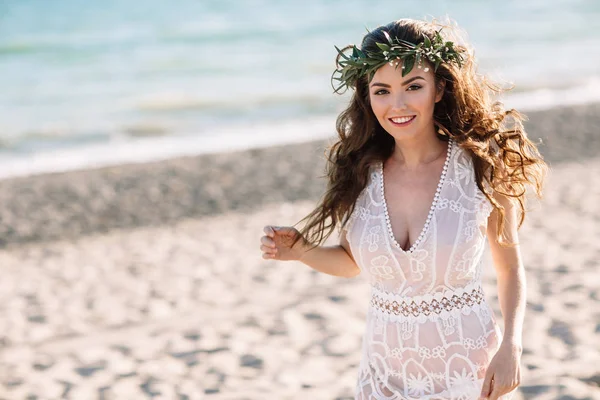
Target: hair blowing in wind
505, 160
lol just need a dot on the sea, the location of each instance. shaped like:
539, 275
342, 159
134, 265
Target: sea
85, 84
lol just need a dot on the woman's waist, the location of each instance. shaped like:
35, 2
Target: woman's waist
428, 306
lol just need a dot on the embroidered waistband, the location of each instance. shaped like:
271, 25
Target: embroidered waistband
428, 306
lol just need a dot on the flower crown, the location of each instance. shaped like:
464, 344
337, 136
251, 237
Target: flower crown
359, 63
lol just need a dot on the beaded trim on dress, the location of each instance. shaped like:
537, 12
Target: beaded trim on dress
431, 208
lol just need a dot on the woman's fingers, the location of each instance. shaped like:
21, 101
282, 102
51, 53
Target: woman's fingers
285, 231
277, 242
269, 231
487, 385
267, 249
267, 241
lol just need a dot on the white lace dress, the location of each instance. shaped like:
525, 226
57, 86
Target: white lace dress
430, 333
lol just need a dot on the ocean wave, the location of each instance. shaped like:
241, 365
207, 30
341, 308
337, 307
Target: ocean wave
546, 98
44, 140
174, 102
155, 147
56, 43
139, 150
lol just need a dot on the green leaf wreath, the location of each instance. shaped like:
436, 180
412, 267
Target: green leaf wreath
350, 67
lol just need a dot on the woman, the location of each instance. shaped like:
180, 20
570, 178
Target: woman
426, 167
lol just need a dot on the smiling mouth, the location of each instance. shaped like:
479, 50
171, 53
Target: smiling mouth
402, 121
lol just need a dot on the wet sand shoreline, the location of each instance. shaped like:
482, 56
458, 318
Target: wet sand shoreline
146, 281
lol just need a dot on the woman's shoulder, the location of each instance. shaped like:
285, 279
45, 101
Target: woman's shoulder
373, 170
461, 173
464, 185
373, 178
464, 166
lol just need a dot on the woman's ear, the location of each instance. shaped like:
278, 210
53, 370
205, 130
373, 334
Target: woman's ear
439, 93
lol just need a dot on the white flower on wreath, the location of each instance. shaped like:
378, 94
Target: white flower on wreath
380, 268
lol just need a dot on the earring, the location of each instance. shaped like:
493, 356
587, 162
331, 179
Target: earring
441, 131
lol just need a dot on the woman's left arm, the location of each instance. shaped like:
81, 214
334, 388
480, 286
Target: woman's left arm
504, 369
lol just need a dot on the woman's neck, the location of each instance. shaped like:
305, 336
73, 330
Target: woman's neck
415, 152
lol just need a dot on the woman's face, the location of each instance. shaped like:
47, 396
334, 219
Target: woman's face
404, 105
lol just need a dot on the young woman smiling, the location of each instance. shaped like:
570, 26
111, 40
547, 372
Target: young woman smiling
427, 169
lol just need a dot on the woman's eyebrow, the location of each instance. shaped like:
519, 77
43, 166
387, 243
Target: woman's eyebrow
406, 82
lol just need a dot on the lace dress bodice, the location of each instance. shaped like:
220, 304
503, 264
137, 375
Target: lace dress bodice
430, 333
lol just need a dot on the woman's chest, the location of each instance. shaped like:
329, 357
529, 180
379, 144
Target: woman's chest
446, 235
409, 198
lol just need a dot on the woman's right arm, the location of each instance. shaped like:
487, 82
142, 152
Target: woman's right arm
332, 260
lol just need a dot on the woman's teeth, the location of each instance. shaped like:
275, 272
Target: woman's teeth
401, 120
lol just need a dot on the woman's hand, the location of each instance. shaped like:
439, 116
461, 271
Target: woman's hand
277, 243
504, 370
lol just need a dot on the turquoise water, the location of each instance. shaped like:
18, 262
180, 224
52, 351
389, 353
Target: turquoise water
78, 75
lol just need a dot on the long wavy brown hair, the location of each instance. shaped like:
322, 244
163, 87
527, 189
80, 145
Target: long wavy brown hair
505, 160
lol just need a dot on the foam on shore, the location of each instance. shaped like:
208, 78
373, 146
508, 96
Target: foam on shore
127, 150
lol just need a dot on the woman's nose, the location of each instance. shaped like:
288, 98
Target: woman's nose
399, 102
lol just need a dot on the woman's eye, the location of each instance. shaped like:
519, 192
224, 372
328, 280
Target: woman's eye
414, 87
381, 91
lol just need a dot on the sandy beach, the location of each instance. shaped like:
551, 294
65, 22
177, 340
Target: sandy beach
146, 281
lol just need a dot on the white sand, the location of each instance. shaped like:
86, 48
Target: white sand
192, 310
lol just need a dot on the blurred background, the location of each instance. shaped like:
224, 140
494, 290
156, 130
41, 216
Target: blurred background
143, 146
119, 82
